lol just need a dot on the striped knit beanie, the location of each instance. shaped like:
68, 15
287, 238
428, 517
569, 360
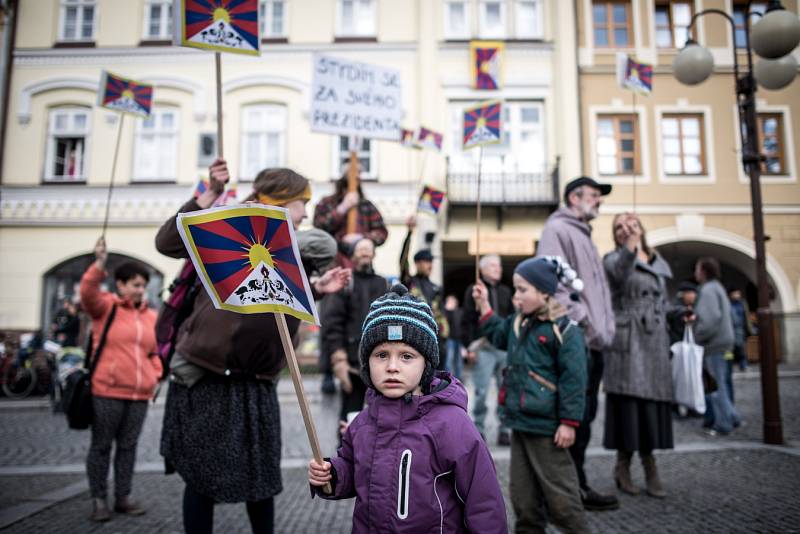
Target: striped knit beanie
401, 317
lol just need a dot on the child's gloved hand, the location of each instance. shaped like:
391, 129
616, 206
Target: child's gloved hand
319, 474
565, 436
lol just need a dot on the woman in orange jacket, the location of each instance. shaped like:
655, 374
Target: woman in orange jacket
124, 379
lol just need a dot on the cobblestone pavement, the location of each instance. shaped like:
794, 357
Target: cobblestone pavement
729, 484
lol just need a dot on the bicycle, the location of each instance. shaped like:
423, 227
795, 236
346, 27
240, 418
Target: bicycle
27, 371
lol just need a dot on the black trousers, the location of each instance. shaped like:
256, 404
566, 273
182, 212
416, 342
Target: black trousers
198, 514
353, 401
584, 432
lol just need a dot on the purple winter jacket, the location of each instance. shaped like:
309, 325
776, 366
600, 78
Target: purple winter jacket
419, 467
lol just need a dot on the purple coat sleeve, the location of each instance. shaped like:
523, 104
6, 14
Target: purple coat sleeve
475, 479
344, 465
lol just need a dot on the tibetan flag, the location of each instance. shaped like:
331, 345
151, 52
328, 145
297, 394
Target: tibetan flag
430, 200
218, 25
122, 94
248, 260
429, 139
486, 58
482, 124
634, 75
408, 138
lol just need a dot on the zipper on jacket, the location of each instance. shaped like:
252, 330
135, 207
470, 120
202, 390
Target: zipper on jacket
136, 353
403, 484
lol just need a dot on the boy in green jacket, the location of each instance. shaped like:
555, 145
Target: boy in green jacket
543, 396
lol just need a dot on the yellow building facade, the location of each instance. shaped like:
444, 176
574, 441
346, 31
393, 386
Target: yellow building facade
59, 145
674, 156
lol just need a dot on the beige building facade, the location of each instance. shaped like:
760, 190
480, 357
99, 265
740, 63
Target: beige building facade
674, 156
58, 149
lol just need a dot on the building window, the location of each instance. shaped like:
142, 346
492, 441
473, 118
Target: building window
771, 143
356, 18
273, 19
618, 151
77, 20
528, 19
683, 141
366, 154
739, 14
672, 22
457, 19
66, 145
158, 20
492, 19
612, 22
263, 139
156, 146
522, 149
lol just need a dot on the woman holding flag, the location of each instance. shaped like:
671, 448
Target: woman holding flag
221, 428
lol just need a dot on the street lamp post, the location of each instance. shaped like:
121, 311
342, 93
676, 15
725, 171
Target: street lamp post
775, 35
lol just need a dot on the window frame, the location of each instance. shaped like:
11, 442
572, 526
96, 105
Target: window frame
244, 130
80, 5
165, 22
707, 144
738, 7
481, 32
338, 159
49, 175
619, 136
266, 10
670, 5
610, 26
538, 32
761, 117
468, 30
156, 113
340, 33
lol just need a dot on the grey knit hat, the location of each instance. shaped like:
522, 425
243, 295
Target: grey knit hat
399, 316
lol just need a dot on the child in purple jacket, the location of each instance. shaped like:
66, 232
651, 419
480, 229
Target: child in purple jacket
413, 459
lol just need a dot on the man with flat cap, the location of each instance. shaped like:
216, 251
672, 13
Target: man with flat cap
421, 286
567, 233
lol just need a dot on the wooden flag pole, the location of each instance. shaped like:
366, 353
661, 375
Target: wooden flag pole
636, 140
352, 185
113, 170
218, 62
302, 400
478, 221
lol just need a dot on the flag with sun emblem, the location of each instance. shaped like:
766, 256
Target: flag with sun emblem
430, 200
482, 124
634, 75
248, 260
486, 59
429, 139
218, 25
122, 94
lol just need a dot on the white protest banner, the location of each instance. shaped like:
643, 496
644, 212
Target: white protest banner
356, 99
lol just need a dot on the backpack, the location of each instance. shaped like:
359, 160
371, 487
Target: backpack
175, 310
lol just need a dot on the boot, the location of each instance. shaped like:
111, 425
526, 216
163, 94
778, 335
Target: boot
126, 505
654, 487
100, 511
622, 473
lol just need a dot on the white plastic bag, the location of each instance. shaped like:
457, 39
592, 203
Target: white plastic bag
687, 372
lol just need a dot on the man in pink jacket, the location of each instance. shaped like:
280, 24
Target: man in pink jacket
124, 379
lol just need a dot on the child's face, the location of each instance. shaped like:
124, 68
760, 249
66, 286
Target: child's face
526, 296
395, 369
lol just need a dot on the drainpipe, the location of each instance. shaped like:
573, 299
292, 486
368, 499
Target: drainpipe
9, 8
578, 83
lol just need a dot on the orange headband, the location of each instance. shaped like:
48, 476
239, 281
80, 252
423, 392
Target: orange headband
280, 201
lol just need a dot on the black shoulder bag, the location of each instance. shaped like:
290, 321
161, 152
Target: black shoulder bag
78, 384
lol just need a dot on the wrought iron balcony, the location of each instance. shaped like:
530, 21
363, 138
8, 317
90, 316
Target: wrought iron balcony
512, 189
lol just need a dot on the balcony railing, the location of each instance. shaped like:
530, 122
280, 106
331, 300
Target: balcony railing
504, 188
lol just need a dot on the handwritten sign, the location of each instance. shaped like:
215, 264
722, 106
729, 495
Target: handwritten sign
353, 98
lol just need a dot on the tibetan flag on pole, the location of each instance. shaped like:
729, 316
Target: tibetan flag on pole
430, 200
248, 260
486, 59
122, 94
408, 138
429, 139
482, 124
218, 25
634, 75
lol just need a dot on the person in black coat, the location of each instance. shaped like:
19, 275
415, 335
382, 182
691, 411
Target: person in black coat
489, 360
343, 316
